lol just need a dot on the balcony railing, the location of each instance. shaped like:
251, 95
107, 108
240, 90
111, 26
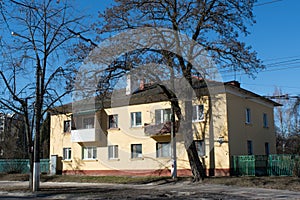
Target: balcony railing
160, 129
84, 135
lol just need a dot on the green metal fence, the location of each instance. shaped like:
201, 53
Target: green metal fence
263, 165
21, 166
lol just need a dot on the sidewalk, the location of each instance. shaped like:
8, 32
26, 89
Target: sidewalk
182, 190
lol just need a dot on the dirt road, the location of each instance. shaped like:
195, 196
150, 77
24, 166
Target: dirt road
160, 190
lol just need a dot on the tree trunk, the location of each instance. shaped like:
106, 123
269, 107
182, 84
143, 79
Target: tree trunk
195, 163
30, 171
197, 168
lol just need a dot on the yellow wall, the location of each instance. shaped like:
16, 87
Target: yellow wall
240, 132
227, 120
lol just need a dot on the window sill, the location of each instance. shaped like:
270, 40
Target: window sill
134, 159
114, 129
67, 160
164, 158
137, 127
113, 159
90, 160
195, 121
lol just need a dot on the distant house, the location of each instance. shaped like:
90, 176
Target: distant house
130, 135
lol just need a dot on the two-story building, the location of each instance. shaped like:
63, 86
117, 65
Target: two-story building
130, 134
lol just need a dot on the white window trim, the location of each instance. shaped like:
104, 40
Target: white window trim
203, 147
139, 156
114, 152
168, 143
92, 149
134, 120
162, 112
69, 128
68, 153
87, 117
117, 123
197, 113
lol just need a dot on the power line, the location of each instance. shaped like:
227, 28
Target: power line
275, 66
265, 85
284, 96
265, 3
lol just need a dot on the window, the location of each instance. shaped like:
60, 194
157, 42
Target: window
198, 113
249, 147
88, 122
113, 152
265, 120
136, 151
248, 116
67, 126
89, 153
163, 149
200, 146
136, 119
67, 153
267, 148
162, 116
113, 121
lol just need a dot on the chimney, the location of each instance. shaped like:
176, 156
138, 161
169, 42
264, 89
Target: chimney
234, 83
142, 84
128, 84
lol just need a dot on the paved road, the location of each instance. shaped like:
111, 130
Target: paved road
182, 190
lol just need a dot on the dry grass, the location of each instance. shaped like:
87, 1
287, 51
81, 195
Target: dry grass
274, 182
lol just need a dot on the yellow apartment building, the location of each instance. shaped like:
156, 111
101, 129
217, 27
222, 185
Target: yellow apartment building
131, 135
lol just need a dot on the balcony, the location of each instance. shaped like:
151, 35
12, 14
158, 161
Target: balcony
84, 135
160, 129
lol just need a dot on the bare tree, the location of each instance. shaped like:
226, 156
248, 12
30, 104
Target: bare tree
34, 43
216, 25
287, 123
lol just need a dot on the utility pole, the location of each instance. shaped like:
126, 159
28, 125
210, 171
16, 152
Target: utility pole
173, 141
173, 126
38, 117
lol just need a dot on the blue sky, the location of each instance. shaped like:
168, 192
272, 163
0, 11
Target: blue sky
275, 37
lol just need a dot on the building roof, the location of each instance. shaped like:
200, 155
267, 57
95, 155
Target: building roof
150, 93
236, 86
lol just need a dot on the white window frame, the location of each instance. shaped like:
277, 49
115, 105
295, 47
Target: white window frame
67, 153
89, 153
114, 117
67, 123
265, 120
197, 109
133, 119
248, 116
160, 147
200, 146
162, 113
134, 153
89, 126
114, 149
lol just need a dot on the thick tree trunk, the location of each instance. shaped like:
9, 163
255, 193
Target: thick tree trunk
196, 165
197, 168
